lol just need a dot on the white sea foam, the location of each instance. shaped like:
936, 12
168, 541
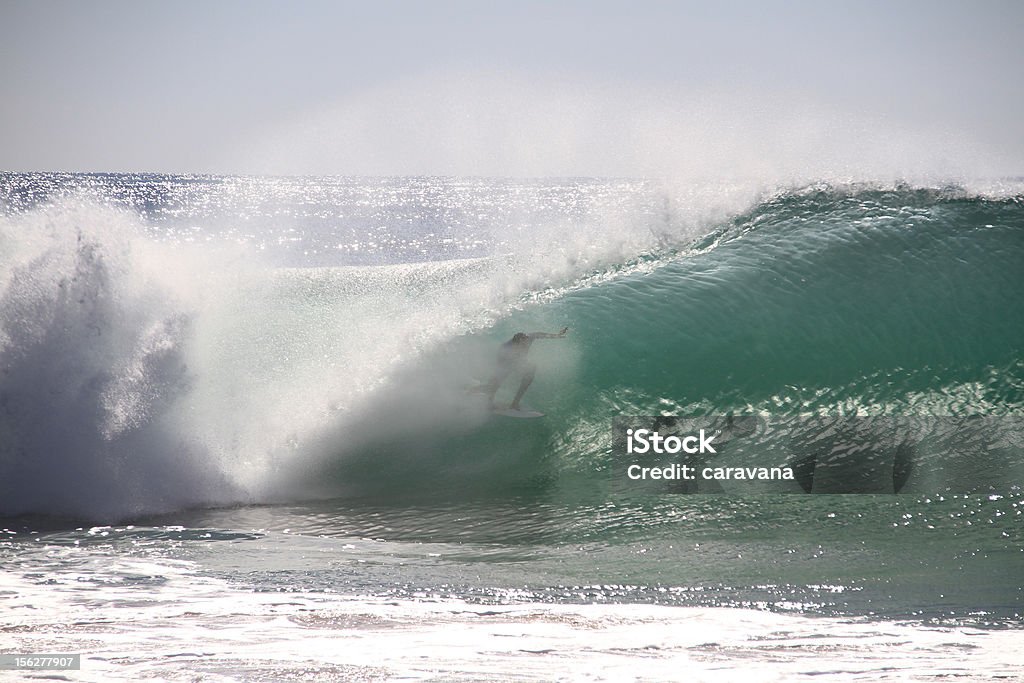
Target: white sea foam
160, 620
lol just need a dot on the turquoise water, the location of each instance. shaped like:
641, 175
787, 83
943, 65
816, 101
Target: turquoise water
266, 379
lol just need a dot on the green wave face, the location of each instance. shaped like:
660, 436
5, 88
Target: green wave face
874, 302
902, 302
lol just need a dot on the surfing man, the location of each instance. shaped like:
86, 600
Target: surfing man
512, 358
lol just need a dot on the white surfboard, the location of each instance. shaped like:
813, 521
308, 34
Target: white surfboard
524, 411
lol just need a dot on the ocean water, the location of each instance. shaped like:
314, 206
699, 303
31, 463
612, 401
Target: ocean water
238, 439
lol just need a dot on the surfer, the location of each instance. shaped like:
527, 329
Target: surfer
512, 358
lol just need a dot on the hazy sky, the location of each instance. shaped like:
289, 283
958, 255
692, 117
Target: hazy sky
512, 88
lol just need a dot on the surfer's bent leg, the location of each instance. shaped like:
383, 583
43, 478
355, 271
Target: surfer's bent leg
491, 388
528, 372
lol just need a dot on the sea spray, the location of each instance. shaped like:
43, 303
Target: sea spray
92, 364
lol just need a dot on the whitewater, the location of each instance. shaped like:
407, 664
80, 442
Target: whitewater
236, 408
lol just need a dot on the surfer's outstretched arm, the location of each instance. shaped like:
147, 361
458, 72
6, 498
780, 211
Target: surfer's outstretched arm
548, 335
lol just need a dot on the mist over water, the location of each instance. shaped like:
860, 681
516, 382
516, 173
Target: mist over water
172, 341
471, 123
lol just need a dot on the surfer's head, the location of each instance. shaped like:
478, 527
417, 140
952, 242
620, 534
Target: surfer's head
520, 338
